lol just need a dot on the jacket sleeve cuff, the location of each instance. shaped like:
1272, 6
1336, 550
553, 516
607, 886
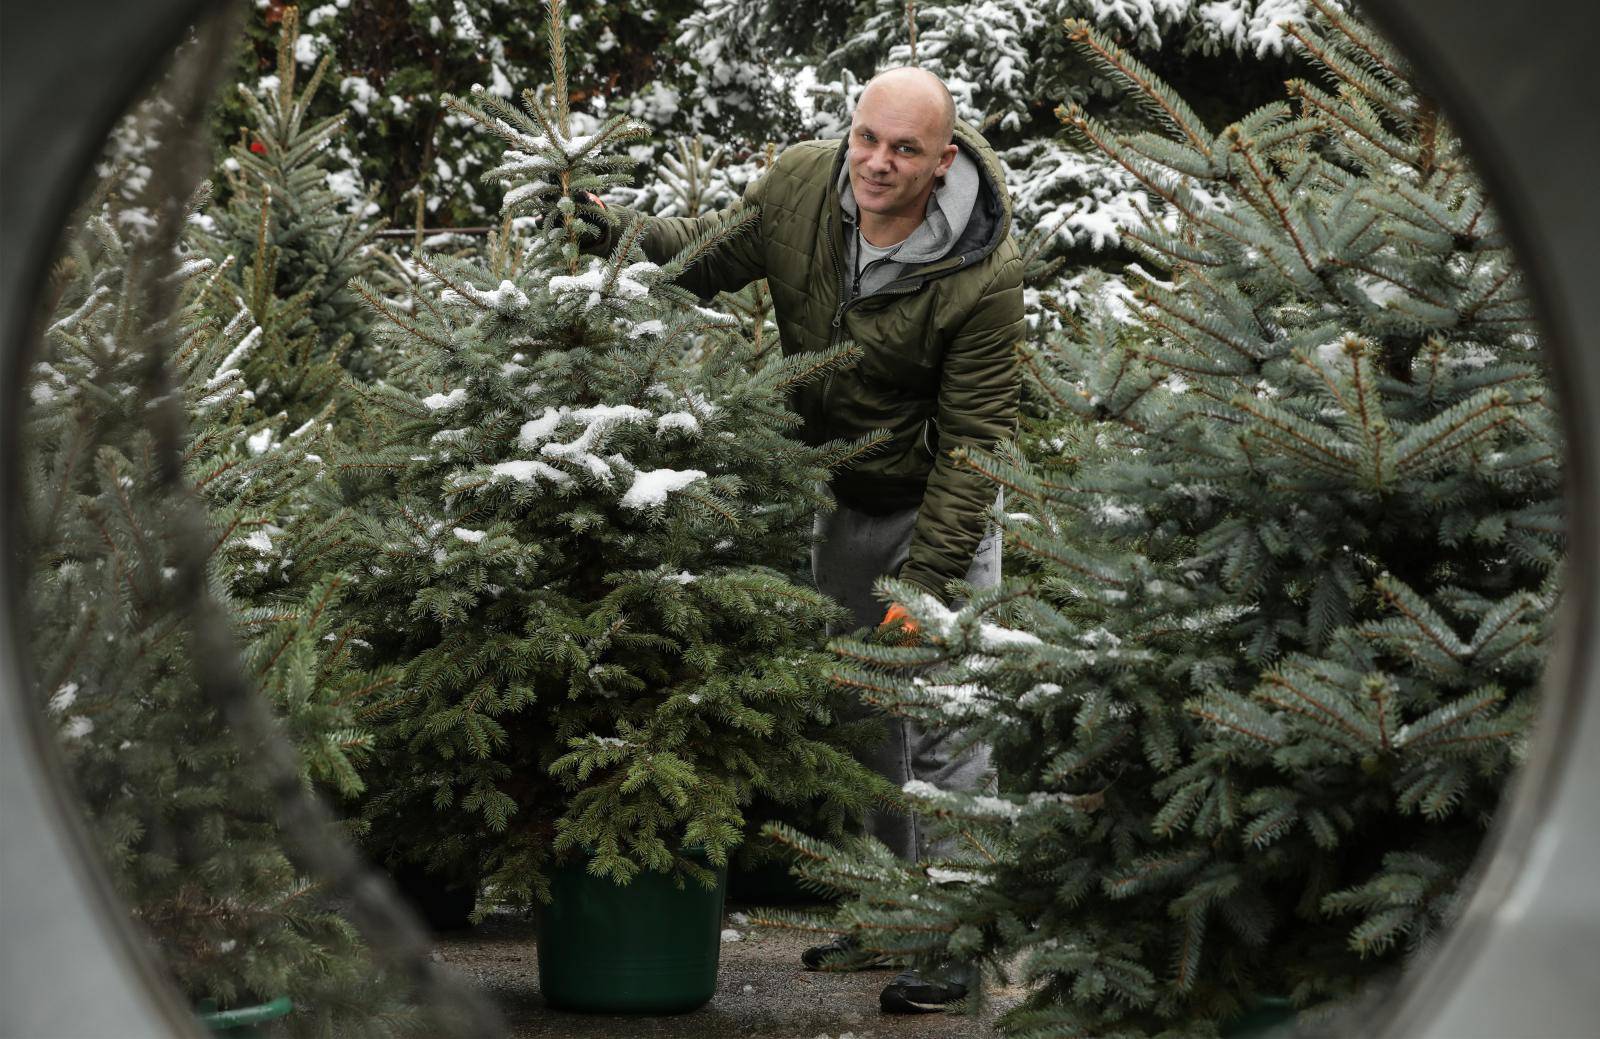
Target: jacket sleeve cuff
622, 219
924, 581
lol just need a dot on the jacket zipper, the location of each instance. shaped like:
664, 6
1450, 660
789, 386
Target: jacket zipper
846, 301
838, 315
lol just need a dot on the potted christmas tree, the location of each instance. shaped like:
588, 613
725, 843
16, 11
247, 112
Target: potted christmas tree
573, 553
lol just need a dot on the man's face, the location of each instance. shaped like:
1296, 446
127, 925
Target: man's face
895, 150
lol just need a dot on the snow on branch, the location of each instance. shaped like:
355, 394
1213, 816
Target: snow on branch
651, 488
598, 283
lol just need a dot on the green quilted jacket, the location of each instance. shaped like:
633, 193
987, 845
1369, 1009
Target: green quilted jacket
938, 368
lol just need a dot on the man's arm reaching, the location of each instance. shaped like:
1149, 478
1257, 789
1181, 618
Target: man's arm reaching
729, 266
978, 408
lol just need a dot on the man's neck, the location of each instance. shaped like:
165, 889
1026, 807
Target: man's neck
883, 231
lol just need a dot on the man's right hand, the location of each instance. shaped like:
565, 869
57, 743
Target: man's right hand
899, 616
579, 197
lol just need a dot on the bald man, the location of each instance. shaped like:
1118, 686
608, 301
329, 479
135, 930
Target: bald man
898, 240
901, 146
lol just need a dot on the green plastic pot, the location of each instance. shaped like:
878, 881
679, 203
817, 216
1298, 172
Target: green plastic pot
645, 947
241, 1022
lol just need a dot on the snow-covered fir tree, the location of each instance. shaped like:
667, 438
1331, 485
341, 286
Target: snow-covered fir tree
295, 242
188, 833
1297, 561
747, 73
395, 61
572, 547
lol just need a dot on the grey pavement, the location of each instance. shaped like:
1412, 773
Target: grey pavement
762, 992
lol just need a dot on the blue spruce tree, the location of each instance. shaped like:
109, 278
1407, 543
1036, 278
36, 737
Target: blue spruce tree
1295, 554
295, 245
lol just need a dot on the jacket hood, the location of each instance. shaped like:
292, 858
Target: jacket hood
990, 222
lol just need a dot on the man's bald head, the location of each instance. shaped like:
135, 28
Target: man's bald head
913, 84
900, 145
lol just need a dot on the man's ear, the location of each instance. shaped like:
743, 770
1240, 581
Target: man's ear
946, 159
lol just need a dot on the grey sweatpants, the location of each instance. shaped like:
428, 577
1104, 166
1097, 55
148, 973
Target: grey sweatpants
851, 551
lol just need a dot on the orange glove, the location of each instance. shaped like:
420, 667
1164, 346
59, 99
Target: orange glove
897, 615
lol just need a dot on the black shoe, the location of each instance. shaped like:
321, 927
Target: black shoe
841, 953
911, 993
